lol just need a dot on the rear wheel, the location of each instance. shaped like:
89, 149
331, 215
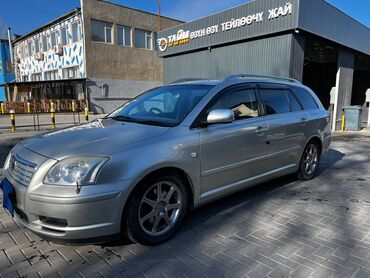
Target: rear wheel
310, 161
156, 210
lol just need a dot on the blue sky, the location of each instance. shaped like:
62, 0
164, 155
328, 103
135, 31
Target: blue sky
25, 15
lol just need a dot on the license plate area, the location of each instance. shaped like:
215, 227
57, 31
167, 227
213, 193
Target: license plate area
9, 198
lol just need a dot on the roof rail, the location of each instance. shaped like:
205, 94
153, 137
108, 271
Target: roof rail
188, 80
238, 76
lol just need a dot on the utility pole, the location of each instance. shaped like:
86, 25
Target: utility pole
159, 15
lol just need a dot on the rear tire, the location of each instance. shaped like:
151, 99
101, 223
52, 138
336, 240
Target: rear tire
310, 161
156, 210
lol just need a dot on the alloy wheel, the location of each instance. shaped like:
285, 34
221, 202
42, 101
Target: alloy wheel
159, 208
311, 159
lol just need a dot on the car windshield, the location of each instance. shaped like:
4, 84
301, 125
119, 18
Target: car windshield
164, 106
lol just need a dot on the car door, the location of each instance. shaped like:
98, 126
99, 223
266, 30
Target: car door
233, 155
287, 121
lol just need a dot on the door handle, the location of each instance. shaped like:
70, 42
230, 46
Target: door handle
260, 130
303, 121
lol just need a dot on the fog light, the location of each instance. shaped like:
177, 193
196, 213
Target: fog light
53, 221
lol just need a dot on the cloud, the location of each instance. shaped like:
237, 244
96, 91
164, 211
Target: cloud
188, 10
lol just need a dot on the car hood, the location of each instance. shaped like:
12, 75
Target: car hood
100, 137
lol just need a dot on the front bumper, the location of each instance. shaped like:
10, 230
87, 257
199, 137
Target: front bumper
58, 213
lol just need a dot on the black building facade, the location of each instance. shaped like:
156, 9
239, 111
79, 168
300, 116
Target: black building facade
309, 40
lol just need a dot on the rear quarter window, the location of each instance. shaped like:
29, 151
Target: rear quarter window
306, 99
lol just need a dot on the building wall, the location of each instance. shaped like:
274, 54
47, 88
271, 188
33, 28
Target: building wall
270, 56
73, 53
124, 71
6, 73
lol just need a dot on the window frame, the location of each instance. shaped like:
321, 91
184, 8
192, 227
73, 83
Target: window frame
124, 27
65, 28
105, 28
48, 41
44, 41
55, 34
36, 42
296, 98
146, 32
29, 48
78, 34
296, 88
199, 121
272, 86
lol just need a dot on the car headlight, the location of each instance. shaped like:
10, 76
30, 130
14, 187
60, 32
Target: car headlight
7, 160
75, 171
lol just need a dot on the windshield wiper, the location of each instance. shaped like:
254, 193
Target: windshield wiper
123, 118
151, 122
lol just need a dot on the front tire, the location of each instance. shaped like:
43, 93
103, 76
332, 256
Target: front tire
310, 162
156, 210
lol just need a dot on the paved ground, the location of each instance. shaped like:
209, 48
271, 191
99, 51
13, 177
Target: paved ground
282, 228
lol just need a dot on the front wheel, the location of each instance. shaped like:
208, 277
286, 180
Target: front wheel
156, 210
310, 161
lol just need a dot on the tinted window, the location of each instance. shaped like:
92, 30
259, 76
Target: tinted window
294, 104
243, 103
275, 101
306, 99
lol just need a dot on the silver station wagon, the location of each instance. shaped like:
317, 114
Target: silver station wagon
138, 171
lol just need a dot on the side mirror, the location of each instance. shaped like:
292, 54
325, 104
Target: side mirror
220, 116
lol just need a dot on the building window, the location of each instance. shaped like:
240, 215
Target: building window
101, 31
123, 35
76, 33
36, 77
48, 42
29, 49
24, 78
44, 43
53, 39
63, 36
36, 42
51, 75
143, 39
70, 73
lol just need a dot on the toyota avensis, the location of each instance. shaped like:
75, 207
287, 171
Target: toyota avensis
138, 171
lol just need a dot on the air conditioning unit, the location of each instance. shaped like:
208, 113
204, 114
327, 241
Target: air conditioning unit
58, 50
39, 56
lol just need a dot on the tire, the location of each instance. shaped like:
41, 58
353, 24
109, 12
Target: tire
310, 162
150, 220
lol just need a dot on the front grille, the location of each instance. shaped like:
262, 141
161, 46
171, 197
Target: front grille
21, 170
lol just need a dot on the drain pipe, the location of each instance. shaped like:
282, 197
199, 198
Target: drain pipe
10, 47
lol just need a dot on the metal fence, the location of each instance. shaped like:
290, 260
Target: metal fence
38, 121
43, 106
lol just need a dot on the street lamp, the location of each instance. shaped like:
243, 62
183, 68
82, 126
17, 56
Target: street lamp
159, 14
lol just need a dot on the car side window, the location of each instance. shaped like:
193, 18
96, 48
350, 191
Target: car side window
243, 102
306, 99
294, 104
275, 101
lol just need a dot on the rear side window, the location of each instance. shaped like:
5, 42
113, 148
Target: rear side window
294, 104
306, 99
275, 101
